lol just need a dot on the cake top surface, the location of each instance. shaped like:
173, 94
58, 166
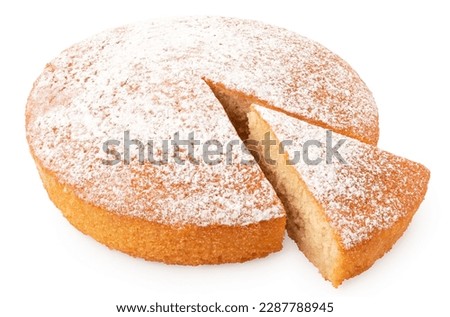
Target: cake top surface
361, 188
148, 79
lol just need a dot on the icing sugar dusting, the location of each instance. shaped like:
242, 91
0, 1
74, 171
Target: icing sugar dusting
372, 191
148, 79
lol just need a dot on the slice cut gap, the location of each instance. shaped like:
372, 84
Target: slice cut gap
237, 106
283, 178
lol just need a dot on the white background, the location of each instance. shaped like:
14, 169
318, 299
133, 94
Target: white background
400, 50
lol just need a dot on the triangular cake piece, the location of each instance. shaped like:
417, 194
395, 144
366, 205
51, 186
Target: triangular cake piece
347, 202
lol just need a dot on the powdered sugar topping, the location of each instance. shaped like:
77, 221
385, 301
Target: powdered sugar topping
148, 79
370, 190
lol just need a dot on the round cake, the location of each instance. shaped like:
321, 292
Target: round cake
105, 117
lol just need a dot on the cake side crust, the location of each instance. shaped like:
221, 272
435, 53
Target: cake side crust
185, 245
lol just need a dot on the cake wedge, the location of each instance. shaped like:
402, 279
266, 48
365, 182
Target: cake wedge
347, 202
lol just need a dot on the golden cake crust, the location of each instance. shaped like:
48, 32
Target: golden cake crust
187, 245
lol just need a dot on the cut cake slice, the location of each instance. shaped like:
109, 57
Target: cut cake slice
347, 202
